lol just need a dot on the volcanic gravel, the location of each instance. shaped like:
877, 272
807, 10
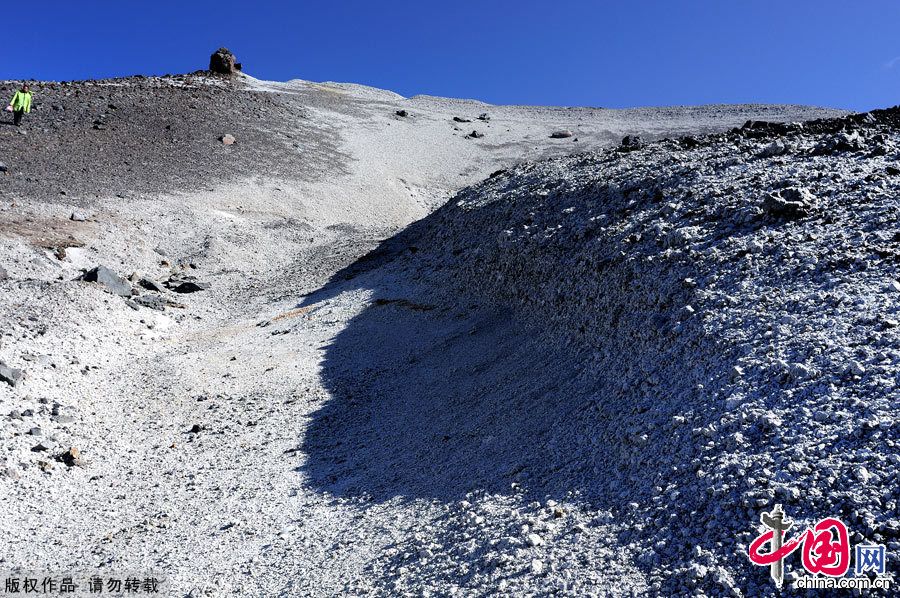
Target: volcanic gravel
141, 136
714, 356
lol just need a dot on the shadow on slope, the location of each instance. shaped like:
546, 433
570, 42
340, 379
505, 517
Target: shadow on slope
436, 395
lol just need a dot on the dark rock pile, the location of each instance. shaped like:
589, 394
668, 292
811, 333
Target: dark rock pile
222, 62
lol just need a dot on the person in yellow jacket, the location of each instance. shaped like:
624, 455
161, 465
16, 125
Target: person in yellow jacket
20, 104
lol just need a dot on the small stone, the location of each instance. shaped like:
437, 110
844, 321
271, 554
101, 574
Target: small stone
484, 116
682, 236
537, 567
196, 429
227, 139
12, 473
10, 375
71, 457
187, 286
460, 119
474, 135
402, 113
534, 540
842, 142
152, 302
776, 148
150, 284
111, 281
2, 167
895, 286
862, 474
856, 368
561, 134
34, 431
78, 216
631, 143
791, 202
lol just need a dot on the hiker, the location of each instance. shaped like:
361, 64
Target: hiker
20, 104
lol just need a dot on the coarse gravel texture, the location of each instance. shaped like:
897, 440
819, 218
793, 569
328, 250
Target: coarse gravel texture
423, 363
665, 349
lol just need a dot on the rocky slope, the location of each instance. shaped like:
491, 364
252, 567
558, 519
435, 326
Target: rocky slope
321, 379
718, 333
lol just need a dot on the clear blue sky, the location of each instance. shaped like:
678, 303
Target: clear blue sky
837, 53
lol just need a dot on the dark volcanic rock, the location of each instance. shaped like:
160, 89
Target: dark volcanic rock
561, 134
222, 62
631, 143
111, 281
151, 301
792, 202
186, 285
460, 119
71, 457
150, 284
402, 113
841, 142
10, 375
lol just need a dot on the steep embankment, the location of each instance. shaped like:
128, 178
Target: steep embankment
684, 334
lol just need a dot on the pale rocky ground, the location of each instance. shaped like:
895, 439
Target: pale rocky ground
476, 406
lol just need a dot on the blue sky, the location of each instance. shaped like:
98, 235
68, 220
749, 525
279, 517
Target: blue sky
560, 52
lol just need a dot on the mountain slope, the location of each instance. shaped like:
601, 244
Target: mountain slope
364, 405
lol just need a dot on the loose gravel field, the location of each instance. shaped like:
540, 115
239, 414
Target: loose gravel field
361, 353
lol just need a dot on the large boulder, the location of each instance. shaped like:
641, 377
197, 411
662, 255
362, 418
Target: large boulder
222, 62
